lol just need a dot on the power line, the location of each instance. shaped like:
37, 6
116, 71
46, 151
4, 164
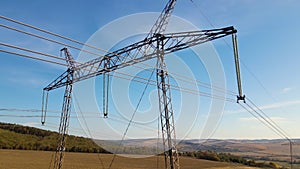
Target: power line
116, 119
26, 110
72, 40
174, 87
191, 91
208, 95
33, 57
266, 118
52, 56
157, 141
265, 121
261, 120
85, 123
38, 116
32, 51
273, 126
133, 114
51, 33
153, 83
48, 39
198, 82
65, 125
37, 110
97, 115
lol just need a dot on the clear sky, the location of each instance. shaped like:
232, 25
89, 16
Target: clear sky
268, 38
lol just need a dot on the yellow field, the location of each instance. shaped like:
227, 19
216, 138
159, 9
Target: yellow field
20, 159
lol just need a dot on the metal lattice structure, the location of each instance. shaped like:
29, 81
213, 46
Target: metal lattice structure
135, 53
155, 45
165, 108
64, 122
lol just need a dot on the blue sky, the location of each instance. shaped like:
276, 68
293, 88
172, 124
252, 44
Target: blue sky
268, 36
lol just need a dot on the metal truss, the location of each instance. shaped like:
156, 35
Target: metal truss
64, 122
136, 53
166, 110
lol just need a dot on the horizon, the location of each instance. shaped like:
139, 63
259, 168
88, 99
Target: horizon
182, 139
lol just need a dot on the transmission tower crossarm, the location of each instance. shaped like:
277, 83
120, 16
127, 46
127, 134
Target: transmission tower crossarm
60, 81
134, 53
182, 40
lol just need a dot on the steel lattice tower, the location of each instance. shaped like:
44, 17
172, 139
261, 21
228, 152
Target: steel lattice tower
157, 45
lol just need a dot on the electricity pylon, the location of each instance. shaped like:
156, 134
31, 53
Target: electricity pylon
157, 44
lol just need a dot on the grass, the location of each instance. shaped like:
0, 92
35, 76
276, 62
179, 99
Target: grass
15, 159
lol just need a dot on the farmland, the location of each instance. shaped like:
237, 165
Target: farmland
41, 159
19, 144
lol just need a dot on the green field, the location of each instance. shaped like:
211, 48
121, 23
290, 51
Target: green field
23, 159
18, 145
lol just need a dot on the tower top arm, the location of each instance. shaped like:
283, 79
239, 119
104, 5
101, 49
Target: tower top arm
135, 53
161, 23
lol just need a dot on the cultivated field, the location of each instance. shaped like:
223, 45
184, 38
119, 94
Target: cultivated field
260, 150
15, 159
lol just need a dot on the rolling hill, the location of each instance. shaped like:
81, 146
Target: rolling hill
13, 136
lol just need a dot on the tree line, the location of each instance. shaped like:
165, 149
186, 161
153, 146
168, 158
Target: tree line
14, 136
227, 157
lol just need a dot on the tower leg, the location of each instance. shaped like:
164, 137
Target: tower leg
64, 124
166, 112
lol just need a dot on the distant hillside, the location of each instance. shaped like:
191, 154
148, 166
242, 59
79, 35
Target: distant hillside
264, 146
13, 136
276, 150
270, 150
